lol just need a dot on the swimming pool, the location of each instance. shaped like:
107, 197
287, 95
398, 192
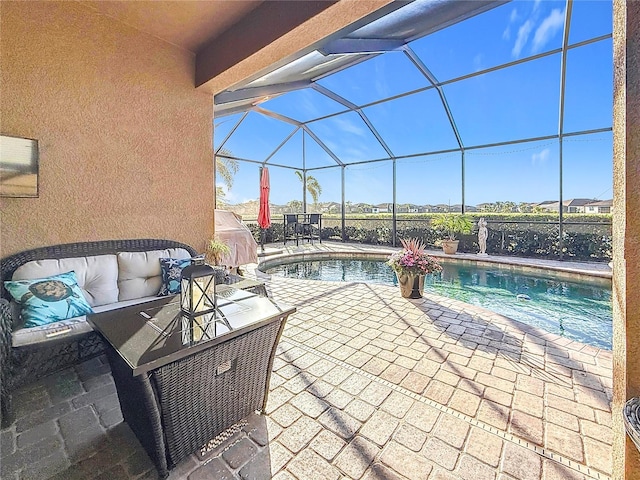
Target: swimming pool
574, 308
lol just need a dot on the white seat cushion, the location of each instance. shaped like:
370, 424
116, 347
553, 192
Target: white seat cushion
65, 328
139, 273
97, 276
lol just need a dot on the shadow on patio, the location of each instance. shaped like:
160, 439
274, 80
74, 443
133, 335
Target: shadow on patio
366, 384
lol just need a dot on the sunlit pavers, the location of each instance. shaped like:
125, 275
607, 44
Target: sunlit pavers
467, 392
367, 385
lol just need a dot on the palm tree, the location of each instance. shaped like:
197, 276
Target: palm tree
221, 197
226, 167
294, 205
313, 186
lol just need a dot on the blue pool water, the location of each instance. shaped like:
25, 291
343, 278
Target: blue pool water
574, 309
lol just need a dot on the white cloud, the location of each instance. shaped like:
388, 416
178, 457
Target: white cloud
348, 126
382, 89
232, 197
330, 145
381, 86
478, 62
506, 35
547, 29
523, 36
355, 153
536, 5
308, 105
540, 158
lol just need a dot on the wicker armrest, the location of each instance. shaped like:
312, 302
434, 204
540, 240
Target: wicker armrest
6, 329
631, 415
234, 278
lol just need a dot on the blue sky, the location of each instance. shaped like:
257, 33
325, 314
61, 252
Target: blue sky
507, 104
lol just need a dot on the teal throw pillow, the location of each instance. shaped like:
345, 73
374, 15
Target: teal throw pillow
171, 269
48, 300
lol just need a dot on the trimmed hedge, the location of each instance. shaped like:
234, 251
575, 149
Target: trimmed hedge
589, 239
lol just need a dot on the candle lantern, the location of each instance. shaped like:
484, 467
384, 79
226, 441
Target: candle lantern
197, 302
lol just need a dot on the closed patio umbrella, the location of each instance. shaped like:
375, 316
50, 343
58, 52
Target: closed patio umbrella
264, 215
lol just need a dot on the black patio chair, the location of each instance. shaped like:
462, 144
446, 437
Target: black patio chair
311, 227
292, 229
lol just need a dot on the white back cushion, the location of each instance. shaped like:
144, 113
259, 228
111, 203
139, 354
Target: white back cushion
97, 275
139, 272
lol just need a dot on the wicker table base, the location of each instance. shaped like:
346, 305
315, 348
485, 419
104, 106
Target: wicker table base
177, 396
176, 409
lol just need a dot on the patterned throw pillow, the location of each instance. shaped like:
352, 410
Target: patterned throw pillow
50, 299
171, 269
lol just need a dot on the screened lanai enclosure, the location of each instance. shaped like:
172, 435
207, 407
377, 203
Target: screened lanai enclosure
501, 110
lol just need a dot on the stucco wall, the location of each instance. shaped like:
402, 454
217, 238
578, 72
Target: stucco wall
626, 229
124, 137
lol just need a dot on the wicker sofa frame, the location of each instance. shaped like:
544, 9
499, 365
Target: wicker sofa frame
631, 417
23, 365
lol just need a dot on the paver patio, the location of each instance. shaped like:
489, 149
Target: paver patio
368, 385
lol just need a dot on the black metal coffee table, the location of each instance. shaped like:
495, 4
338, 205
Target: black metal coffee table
177, 397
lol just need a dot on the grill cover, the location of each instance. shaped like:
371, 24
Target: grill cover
230, 229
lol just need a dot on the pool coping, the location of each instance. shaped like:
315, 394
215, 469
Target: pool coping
566, 269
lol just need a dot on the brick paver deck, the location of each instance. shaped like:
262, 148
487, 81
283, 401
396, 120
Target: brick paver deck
366, 385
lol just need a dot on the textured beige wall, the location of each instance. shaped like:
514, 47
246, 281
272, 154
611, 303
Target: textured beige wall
125, 139
626, 229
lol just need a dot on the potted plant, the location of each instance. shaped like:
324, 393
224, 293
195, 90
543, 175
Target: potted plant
411, 264
451, 224
216, 249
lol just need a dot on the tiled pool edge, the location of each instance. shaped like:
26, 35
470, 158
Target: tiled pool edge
328, 250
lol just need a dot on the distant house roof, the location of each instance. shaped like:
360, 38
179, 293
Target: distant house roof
601, 203
578, 202
573, 202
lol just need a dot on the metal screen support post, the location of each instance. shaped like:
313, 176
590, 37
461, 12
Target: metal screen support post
563, 80
304, 177
462, 181
394, 230
344, 220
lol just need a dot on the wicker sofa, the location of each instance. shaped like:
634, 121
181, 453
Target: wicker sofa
111, 274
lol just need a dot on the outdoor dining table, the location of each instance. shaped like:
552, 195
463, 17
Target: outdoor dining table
176, 396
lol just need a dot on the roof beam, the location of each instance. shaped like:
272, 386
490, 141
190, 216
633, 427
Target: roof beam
322, 145
277, 116
280, 146
258, 92
427, 73
360, 45
235, 127
222, 111
334, 96
249, 35
248, 50
340, 99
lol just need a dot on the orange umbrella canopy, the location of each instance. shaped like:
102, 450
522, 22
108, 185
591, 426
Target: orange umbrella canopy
264, 215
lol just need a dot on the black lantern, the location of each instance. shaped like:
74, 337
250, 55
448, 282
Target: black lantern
198, 302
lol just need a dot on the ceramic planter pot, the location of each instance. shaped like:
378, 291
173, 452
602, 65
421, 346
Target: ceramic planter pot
411, 286
450, 247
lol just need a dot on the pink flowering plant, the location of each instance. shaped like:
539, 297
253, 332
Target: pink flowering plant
413, 259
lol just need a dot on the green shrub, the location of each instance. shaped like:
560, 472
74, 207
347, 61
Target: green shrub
525, 235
